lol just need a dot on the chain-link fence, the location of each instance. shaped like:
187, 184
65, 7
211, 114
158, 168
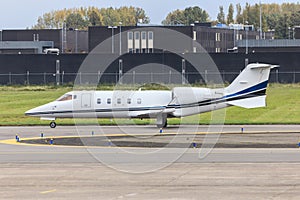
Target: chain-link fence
46, 78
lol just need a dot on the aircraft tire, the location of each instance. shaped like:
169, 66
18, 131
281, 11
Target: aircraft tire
52, 125
163, 125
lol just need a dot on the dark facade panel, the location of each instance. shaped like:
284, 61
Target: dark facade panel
34, 35
42, 67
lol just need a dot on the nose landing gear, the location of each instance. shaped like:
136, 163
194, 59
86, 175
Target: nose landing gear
52, 124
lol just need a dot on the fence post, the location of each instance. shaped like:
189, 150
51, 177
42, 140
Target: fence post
120, 70
45, 82
294, 77
99, 74
183, 71
27, 77
62, 77
57, 72
133, 77
9, 78
80, 78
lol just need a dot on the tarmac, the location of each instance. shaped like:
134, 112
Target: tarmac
45, 171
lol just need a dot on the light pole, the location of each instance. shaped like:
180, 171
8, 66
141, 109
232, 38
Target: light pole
293, 33
247, 28
260, 21
76, 39
120, 23
112, 37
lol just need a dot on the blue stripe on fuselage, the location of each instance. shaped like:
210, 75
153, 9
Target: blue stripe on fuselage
257, 87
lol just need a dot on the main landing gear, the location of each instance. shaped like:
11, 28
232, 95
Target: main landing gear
162, 121
52, 124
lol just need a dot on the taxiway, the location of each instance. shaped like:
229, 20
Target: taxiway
60, 172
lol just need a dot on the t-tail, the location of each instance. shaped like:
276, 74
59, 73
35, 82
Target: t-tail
248, 90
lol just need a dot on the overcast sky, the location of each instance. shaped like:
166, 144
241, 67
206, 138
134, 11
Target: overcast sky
16, 14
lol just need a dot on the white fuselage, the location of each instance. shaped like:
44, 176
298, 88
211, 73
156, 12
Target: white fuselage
125, 104
248, 90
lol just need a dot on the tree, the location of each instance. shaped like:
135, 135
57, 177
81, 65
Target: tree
92, 16
95, 18
274, 17
186, 17
75, 21
195, 13
221, 15
281, 29
239, 16
230, 14
174, 18
141, 15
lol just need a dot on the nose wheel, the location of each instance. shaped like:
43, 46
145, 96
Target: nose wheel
52, 125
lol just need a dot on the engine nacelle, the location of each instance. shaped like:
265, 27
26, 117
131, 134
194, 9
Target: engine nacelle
188, 99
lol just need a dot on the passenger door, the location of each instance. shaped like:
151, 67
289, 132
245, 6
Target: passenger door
86, 100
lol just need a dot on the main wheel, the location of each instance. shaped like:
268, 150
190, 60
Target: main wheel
161, 121
52, 125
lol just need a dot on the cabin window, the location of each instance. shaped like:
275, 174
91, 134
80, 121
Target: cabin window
75, 97
108, 101
65, 97
139, 101
98, 101
128, 101
119, 101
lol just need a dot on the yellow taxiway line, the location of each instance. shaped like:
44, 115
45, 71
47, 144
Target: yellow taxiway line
14, 142
48, 191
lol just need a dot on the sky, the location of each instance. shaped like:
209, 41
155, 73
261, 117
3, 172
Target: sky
21, 14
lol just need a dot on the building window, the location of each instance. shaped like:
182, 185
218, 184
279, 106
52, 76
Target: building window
130, 42
218, 50
144, 35
137, 42
136, 35
241, 36
108, 101
257, 37
139, 101
118, 100
128, 101
194, 35
150, 35
98, 101
218, 37
150, 50
130, 35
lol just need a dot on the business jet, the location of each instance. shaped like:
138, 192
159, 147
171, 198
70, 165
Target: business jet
248, 90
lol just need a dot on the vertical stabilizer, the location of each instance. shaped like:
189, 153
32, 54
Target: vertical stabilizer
248, 90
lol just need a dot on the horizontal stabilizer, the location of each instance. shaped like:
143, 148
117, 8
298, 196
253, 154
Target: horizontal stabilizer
254, 102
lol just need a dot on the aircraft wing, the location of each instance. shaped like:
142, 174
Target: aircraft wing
150, 113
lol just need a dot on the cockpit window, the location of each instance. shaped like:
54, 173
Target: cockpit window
65, 97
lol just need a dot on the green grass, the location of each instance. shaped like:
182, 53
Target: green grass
283, 107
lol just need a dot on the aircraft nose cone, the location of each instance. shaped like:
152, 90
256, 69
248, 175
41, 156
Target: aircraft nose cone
29, 112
